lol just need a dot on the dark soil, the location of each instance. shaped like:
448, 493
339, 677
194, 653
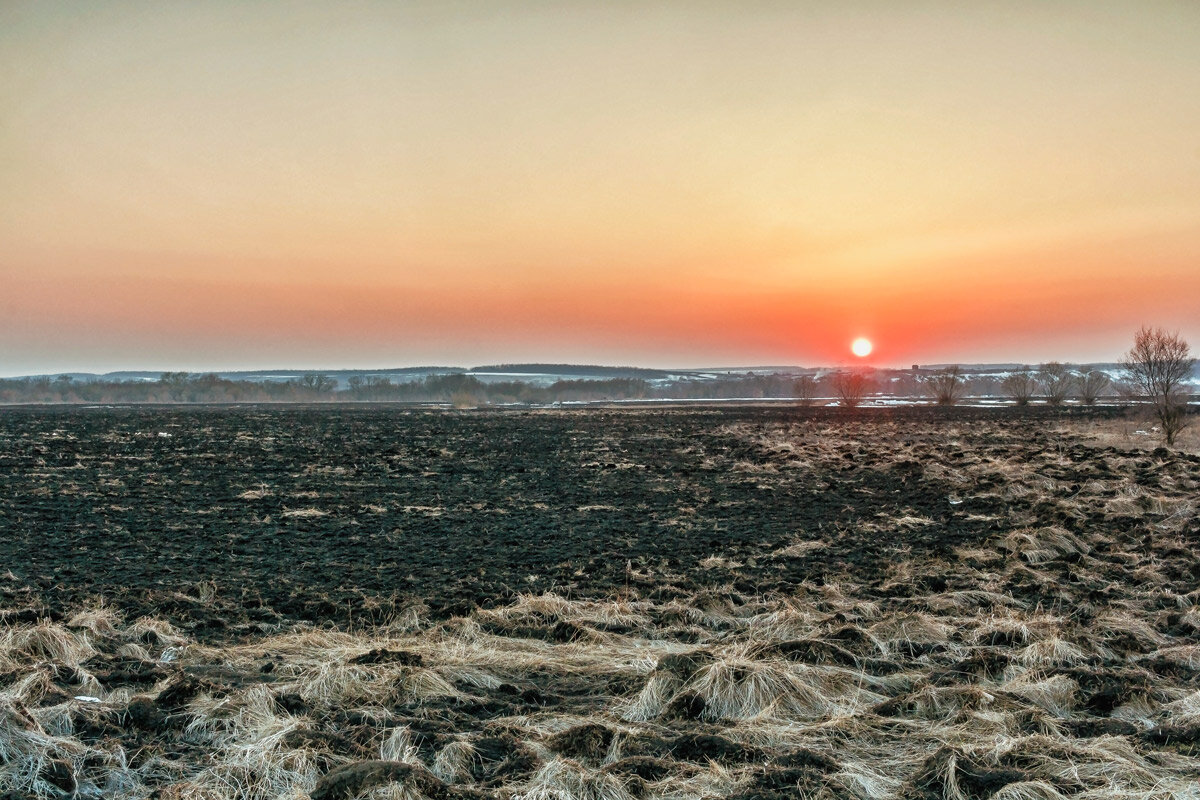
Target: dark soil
354, 512
236, 523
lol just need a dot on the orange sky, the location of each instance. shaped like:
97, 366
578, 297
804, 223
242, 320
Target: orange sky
225, 185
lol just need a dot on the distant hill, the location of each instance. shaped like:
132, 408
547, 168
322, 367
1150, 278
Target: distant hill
523, 384
543, 374
518, 372
576, 370
256, 375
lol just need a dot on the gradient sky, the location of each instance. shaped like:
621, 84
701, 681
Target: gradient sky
228, 185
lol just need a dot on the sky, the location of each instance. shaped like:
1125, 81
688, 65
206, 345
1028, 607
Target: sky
227, 185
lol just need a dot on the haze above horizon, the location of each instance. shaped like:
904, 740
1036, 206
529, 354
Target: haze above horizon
240, 186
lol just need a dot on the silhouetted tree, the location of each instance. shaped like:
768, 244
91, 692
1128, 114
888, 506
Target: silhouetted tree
175, 384
1057, 380
946, 386
314, 382
851, 387
1020, 386
1092, 384
1156, 366
805, 388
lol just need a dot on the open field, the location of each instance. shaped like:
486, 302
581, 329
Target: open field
603, 604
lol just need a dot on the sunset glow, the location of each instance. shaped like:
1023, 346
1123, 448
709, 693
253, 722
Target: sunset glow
223, 185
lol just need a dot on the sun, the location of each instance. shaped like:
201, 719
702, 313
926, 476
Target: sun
861, 347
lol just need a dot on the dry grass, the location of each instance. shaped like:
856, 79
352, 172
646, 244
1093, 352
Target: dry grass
764, 677
1136, 432
1046, 657
304, 513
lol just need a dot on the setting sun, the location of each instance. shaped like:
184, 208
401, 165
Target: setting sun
415, 266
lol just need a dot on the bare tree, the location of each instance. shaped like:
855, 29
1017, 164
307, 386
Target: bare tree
1157, 366
1057, 380
176, 383
851, 387
314, 382
946, 386
370, 387
805, 388
1092, 384
908, 383
1020, 386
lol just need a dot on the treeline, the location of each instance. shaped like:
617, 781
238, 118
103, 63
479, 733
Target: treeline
457, 389
467, 390
1050, 383
172, 387
181, 387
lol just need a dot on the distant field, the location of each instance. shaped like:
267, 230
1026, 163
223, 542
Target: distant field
597, 603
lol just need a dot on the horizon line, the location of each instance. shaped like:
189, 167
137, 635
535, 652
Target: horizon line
567, 365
